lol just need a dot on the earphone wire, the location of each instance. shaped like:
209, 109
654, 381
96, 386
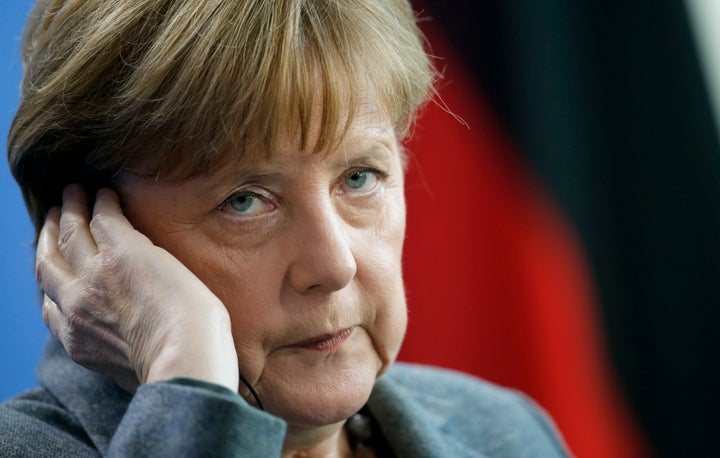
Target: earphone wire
252, 391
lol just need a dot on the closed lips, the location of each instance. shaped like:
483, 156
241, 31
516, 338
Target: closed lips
326, 341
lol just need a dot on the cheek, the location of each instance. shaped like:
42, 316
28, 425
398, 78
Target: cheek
246, 284
381, 279
227, 272
390, 322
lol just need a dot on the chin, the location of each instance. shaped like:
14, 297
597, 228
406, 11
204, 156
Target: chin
322, 394
321, 409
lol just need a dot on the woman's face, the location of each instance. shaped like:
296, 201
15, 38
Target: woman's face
305, 252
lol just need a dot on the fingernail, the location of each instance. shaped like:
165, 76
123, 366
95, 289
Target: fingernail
69, 191
104, 192
53, 213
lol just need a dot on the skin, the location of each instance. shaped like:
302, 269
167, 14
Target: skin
288, 270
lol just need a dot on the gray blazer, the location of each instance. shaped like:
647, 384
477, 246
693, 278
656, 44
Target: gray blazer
422, 411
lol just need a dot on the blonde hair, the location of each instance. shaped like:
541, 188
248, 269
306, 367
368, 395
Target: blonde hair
168, 86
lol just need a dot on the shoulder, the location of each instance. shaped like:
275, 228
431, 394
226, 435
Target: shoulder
460, 410
35, 421
452, 388
422, 379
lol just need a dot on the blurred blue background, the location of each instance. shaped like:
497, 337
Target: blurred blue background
22, 332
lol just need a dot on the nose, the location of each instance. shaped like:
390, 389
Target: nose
323, 258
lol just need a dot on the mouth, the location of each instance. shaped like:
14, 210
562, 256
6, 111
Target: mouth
326, 342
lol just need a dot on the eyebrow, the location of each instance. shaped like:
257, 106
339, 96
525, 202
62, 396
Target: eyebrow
239, 175
378, 148
377, 152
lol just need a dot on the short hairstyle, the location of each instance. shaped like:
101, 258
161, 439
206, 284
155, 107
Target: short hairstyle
168, 87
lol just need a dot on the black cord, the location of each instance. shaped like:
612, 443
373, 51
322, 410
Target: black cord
252, 391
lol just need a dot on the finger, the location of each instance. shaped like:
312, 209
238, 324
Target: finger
75, 240
52, 271
109, 226
53, 318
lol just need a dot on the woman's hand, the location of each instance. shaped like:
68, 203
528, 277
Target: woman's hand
124, 307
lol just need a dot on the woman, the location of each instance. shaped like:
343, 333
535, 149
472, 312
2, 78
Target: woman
218, 192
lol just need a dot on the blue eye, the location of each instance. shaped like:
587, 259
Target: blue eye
361, 180
242, 203
247, 204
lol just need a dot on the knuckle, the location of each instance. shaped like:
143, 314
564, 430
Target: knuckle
73, 338
114, 261
100, 223
67, 231
73, 325
79, 327
41, 265
93, 299
45, 311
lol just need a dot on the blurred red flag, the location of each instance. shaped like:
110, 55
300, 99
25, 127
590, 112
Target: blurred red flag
497, 283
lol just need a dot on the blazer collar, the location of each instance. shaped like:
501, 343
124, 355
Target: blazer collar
95, 400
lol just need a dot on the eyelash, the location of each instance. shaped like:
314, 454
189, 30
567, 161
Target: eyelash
227, 203
379, 175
